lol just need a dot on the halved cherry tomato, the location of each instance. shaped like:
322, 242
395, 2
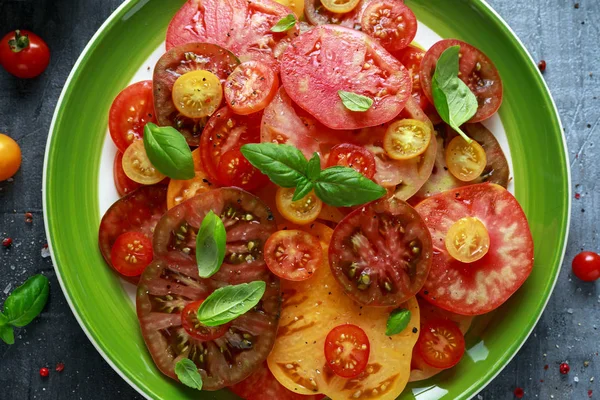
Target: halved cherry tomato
293, 255
197, 330
465, 161
123, 183
297, 6
131, 253
182, 190
236, 170
411, 58
353, 156
129, 113
10, 157
340, 6
24, 54
197, 94
138, 167
390, 22
441, 343
586, 266
251, 87
347, 350
467, 240
317, 14
301, 212
406, 139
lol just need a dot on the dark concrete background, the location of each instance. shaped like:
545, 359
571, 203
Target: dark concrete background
563, 32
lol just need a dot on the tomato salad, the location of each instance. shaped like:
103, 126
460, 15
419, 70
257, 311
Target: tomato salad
311, 205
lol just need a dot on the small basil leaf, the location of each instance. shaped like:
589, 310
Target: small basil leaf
188, 374
345, 187
210, 245
355, 102
6, 331
27, 301
397, 321
284, 165
229, 302
284, 24
302, 189
168, 151
313, 168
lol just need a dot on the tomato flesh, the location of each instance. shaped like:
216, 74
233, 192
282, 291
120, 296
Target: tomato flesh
194, 328
353, 156
586, 266
182, 190
123, 183
235, 170
293, 254
301, 212
411, 58
466, 161
317, 14
251, 87
347, 350
30, 61
197, 94
390, 22
441, 343
131, 253
137, 165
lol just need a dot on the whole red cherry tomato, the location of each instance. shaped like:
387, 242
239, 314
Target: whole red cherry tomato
586, 266
24, 54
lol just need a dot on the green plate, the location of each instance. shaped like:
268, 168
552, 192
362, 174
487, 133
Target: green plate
72, 204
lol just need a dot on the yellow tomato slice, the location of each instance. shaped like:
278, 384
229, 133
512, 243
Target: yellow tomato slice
197, 160
138, 167
197, 94
340, 6
301, 212
182, 190
467, 240
406, 139
465, 161
310, 310
297, 6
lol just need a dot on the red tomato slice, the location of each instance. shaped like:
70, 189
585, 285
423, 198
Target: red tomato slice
411, 58
129, 113
177, 62
131, 253
123, 183
441, 344
226, 131
481, 286
381, 253
235, 170
347, 350
194, 328
293, 254
251, 87
476, 70
312, 74
390, 22
317, 14
353, 156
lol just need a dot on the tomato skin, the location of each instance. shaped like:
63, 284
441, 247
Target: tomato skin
335, 349
27, 63
293, 254
353, 156
586, 266
390, 22
251, 87
123, 183
131, 253
10, 157
443, 333
203, 333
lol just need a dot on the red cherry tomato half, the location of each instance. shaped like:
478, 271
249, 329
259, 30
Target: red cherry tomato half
586, 266
131, 253
123, 183
353, 156
131, 110
411, 58
235, 170
347, 350
189, 321
441, 343
390, 22
251, 87
24, 54
293, 254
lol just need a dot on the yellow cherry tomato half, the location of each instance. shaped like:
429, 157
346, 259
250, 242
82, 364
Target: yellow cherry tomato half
406, 139
301, 212
10, 157
197, 94
465, 161
297, 6
467, 240
182, 190
138, 167
340, 6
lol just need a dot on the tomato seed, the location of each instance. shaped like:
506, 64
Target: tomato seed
7, 242
44, 372
564, 368
519, 393
542, 65
60, 367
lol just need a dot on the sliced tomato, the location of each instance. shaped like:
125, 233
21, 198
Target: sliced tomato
381, 253
317, 14
123, 184
411, 58
293, 254
131, 253
347, 350
194, 328
197, 94
138, 167
251, 87
390, 22
312, 76
483, 285
301, 212
129, 113
235, 170
441, 343
475, 69
138, 211
174, 64
297, 6
316, 229
406, 139
182, 190
353, 156
466, 161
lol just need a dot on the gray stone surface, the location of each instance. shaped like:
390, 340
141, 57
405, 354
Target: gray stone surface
563, 32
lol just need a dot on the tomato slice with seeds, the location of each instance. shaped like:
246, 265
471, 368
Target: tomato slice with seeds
194, 328
441, 344
475, 69
467, 240
182, 190
251, 87
353, 156
340, 6
406, 139
235, 170
301, 212
129, 113
197, 94
390, 22
293, 254
411, 58
381, 253
466, 161
347, 350
137, 165
131, 253
317, 14
123, 184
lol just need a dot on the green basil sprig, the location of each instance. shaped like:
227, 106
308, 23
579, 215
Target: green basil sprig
397, 321
229, 302
168, 151
284, 24
188, 374
287, 167
355, 102
24, 304
210, 245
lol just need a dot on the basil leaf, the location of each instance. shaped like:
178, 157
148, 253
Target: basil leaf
168, 151
345, 187
397, 321
313, 169
453, 100
284, 165
229, 302
304, 187
7, 333
188, 374
210, 245
284, 24
355, 102
27, 301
